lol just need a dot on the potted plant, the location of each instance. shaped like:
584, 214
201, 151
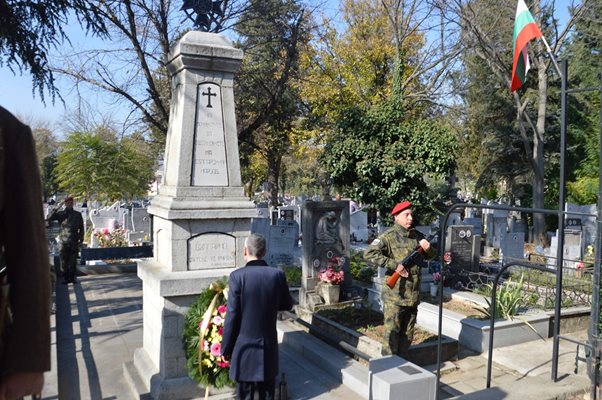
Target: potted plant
330, 279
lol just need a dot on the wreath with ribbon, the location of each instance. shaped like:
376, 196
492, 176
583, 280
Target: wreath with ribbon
202, 338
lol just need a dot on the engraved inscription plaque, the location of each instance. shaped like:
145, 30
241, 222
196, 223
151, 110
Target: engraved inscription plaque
211, 250
210, 166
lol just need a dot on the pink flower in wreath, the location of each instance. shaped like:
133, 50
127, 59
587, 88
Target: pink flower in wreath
217, 320
216, 349
223, 363
221, 309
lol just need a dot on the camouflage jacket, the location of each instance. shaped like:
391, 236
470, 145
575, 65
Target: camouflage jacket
72, 227
387, 251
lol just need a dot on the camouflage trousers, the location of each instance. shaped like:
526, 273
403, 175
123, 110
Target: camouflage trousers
69, 255
399, 329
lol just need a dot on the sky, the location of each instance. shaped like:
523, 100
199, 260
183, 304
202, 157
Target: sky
16, 91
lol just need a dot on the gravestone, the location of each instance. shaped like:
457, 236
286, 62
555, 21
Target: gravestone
282, 240
572, 250
455, 218
325, 235
104, 219
140, 222
263, 210
587, 222
476, 223
261, 226
500, 229
358, 222
201, 216
513, 246
464, 247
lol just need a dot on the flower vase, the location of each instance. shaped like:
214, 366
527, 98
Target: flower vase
330, 293
434, 289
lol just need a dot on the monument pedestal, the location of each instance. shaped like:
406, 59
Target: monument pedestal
200, 215
161, 364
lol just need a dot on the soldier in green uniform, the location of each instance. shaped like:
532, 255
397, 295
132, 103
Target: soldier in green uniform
400, 303
71, 237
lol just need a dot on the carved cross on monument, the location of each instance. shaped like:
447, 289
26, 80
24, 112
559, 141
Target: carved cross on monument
208, 94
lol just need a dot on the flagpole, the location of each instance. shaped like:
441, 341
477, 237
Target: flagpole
549, 51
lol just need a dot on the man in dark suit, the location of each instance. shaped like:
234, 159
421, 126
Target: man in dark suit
26, 344
250, 341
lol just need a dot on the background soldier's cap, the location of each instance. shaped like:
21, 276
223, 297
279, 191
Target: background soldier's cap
399, 207
68, 198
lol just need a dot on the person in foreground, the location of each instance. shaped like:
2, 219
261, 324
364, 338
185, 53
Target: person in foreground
25, 338
249, 340
400, 304
72, 237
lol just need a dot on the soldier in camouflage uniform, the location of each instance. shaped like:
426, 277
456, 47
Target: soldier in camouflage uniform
400, 303
72, 236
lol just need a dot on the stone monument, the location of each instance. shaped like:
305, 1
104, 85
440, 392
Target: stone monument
200, 215
325, 235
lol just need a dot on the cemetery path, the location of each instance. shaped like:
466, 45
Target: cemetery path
98, 326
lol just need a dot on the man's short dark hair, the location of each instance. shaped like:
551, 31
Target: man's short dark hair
256, 246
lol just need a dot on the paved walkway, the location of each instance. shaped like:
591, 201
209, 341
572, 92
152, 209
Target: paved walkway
98, 325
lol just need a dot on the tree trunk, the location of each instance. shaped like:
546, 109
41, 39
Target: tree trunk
274, 162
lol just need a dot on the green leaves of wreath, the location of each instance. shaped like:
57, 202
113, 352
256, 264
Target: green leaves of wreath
212, 375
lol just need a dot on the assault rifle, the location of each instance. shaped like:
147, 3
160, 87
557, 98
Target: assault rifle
408, 262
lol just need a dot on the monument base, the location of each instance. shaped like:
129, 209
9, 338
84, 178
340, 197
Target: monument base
159, 369
142, 370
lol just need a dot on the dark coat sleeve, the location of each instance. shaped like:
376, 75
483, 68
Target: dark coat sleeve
232, 322
286, 300
24, 238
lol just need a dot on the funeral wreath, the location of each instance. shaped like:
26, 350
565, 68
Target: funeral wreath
202, 337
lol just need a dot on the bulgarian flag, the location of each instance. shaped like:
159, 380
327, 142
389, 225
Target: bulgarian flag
525, 30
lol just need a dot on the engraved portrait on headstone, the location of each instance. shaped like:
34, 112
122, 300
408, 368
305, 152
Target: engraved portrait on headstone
327, 231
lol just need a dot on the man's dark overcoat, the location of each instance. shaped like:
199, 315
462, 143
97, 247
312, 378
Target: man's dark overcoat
256, 293
23, 235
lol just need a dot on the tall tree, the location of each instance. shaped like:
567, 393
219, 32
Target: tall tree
584, 52
380, 56
131, 67
30, 29
47, 147
97, 165
270, 33
481, 27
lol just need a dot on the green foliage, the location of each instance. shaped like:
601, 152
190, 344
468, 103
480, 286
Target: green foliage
46, 151
358, 268
293, 274
267, 102
508, 299
379, 157
95, 165
584, 52
190, 339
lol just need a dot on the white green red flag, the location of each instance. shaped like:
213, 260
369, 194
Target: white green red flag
525, 30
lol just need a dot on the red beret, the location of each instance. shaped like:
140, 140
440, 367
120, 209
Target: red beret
399, 207
68, 198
